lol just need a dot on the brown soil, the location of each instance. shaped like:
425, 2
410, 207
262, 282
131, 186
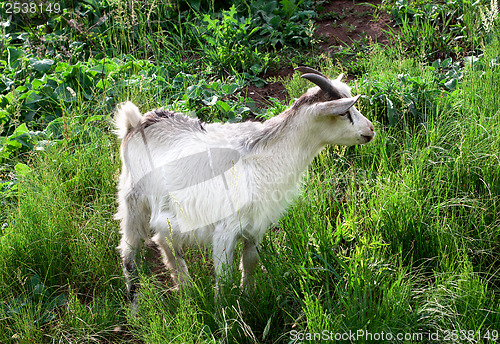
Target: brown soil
341, 23
261, 95
345, 22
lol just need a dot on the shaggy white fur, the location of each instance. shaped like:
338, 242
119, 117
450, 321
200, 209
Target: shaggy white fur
184, 182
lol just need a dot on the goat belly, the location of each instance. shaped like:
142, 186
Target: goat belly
206, 188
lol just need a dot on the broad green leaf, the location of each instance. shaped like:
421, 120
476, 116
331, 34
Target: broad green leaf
22, 129
446, 62
66, 93
31, 97
211, 101
100, 69
451, 84
22, 170
104, 84
223, 106
275, 21
6, 81
229, 88
41, 66
4, 115
61, 66
436, 64
289, 7
20, 137
24, 140
21, 89
34, 280
55, 128
37, 83
260, 83
13, 56
58, 301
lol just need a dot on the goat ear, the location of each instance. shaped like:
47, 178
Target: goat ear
336, 107
339, 78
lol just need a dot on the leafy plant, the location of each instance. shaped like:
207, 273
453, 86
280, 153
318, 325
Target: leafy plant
447, 73
230, 44
408, 98
290, 23
211, 100
38, 304
430, 31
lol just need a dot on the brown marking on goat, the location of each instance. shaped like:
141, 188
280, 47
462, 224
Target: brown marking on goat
155, 116
307, 99
159, 115
270, 131
317, 97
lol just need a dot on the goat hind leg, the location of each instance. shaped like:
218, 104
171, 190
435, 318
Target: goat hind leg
134, 217
248, 264
129, 246
223, 251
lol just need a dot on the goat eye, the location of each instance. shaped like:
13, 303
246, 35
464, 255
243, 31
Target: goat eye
349, 117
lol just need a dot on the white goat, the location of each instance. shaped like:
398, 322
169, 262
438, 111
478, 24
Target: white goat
186, 182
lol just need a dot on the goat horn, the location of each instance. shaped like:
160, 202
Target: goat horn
305, 70
323, 83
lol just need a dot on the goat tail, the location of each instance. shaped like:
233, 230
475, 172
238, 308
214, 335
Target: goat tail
127, 117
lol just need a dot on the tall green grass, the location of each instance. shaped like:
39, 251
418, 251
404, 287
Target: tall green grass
61, 231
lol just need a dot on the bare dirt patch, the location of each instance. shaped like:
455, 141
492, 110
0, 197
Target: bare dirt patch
340, 24
262, 95
343, 22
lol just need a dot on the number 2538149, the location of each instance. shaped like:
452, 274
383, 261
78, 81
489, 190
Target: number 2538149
31, 7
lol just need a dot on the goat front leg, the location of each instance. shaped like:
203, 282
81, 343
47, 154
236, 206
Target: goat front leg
175, 263
248, 264
223, 251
